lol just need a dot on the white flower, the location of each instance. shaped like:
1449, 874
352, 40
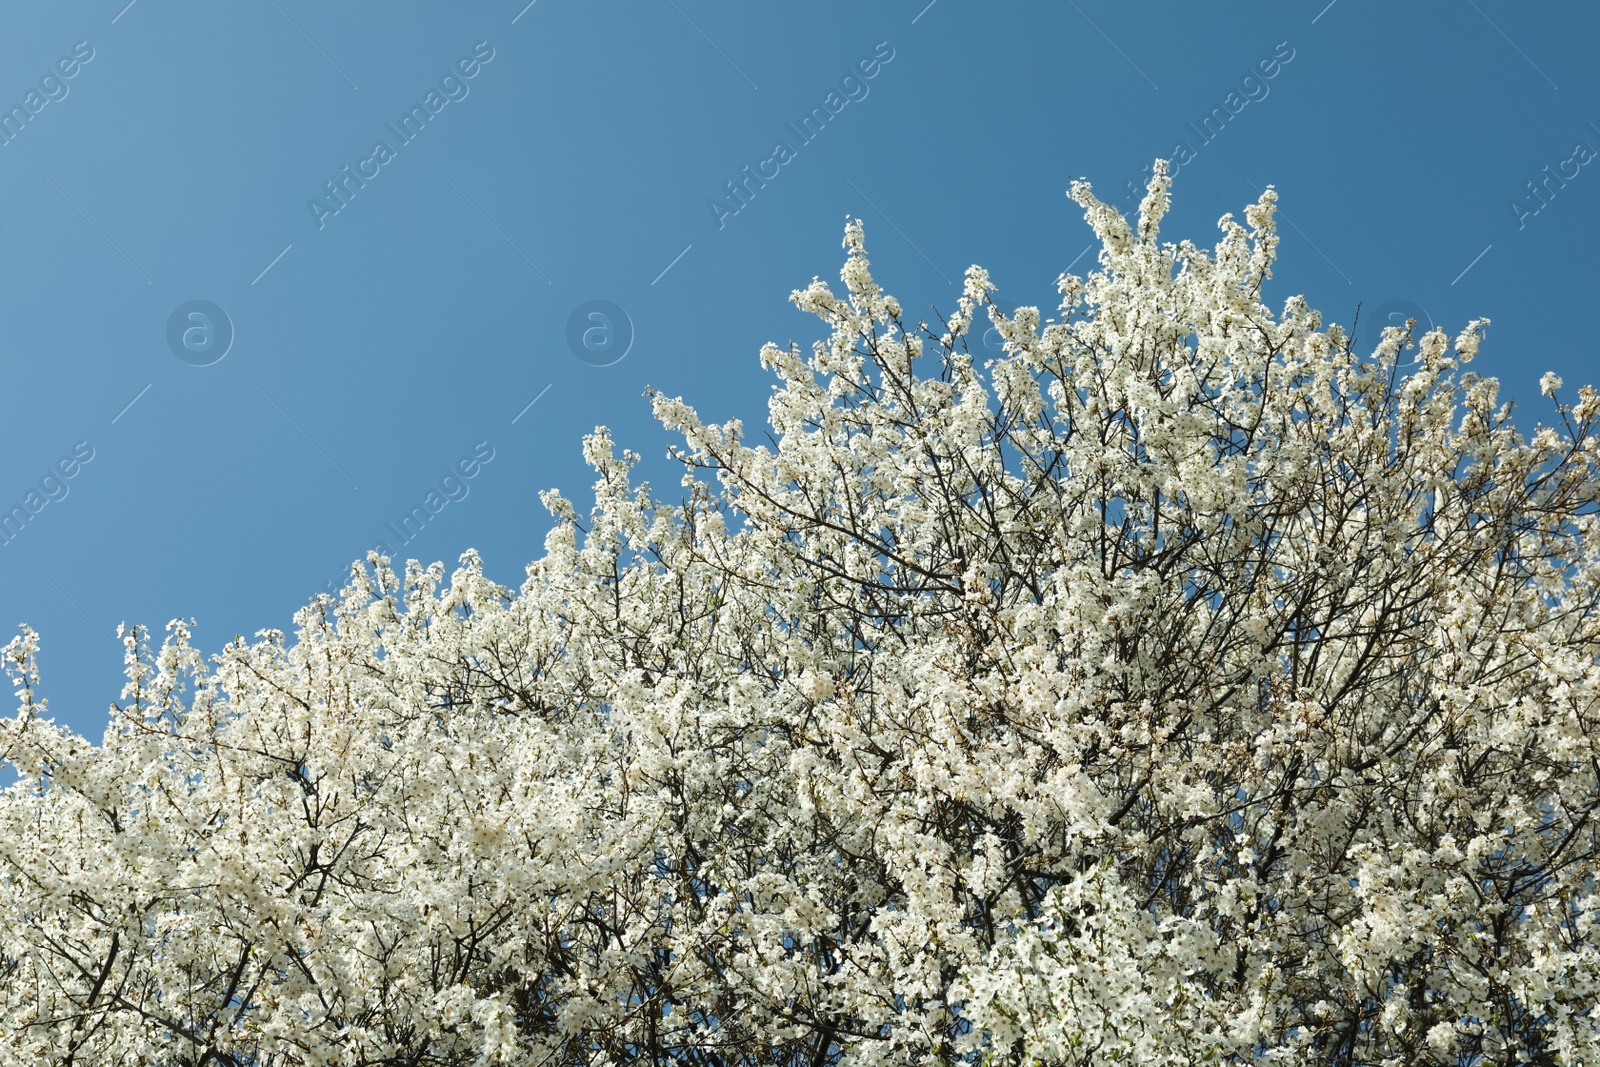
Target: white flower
816, 685
1198, 681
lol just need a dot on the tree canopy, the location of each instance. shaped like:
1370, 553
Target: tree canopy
1183, 686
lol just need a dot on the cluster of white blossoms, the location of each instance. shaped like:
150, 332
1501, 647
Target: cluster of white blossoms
1182, 687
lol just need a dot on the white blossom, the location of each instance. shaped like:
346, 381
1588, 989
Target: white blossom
1183, 686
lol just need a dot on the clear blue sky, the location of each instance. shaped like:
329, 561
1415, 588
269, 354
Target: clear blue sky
171, 151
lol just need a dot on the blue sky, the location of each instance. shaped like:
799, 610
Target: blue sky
356, 352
